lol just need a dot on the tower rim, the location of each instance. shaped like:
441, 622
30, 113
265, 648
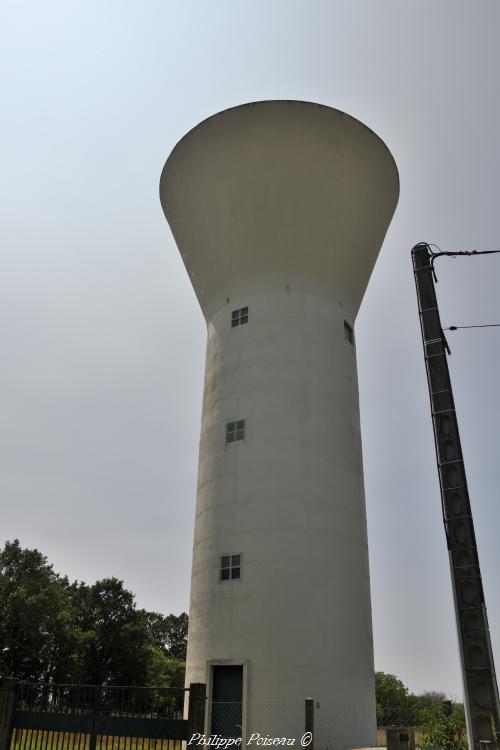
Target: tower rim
279, 192
263, 102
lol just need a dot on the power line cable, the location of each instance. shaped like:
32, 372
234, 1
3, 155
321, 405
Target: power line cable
451, 254
482, 325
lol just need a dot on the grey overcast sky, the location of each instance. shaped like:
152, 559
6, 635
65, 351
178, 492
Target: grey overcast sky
102, 340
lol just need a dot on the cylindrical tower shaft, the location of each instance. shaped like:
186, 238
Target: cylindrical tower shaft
279, 210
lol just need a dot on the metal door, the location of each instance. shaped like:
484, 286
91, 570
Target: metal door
227, 697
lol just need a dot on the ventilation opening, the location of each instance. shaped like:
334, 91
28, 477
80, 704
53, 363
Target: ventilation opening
348, 332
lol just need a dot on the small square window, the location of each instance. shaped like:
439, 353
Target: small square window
230, 567
239, 317
235, 431
348, 332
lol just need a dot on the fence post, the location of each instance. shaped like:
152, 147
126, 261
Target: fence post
196, 712
309, 723
8, 695
95, 707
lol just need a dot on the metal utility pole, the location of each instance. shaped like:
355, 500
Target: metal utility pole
482, 708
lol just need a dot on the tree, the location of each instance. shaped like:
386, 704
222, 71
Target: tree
442, 723
114, 639
168, 638
54, 631
393, 700
428, 705
165, 671
448, 731
169, 633
36, 641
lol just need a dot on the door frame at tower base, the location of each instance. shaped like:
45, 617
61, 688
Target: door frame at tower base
211, 663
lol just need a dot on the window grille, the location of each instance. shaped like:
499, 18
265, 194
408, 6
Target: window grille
235, 431
239, 317
230, 567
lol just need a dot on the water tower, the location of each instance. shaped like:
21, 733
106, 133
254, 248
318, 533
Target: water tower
279, 210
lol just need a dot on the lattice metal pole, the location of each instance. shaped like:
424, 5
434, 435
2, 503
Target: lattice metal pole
478, 671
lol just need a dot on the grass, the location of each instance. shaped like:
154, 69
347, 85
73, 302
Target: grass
34, 739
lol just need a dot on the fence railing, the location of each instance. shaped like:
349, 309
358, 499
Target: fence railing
110, 700
327, 726
38, 716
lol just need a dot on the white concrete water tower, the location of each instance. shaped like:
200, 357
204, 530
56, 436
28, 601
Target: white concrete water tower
279, 210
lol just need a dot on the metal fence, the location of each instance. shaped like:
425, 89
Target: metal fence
330, 725
426, 727
37, 716
255, 720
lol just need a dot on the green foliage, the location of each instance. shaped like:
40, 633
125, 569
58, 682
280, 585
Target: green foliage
168, 639
442, 724
164, 670
36, 638
51, 630
168, 633
448, 731
392, 700
113, 635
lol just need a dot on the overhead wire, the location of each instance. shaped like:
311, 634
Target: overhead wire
451, 254
454, 254
482, 325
